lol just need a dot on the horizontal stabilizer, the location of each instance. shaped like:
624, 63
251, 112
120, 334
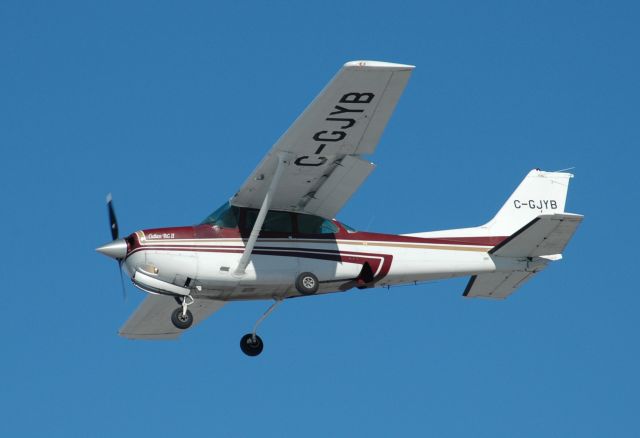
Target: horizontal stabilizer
544, 235
539, 242
498, 285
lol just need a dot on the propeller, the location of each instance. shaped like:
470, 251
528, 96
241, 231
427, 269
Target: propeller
117, 248
113, 222
124, 289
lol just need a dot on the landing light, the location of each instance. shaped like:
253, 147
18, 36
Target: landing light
149, 269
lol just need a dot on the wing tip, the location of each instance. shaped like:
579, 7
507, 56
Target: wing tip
377, 65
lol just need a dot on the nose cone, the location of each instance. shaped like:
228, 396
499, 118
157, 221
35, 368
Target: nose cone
116, 249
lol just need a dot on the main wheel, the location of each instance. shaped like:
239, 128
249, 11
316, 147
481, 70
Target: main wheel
181, 321
250, 346
307, 283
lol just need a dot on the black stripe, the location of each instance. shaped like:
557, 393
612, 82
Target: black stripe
513, 236
302, 255
333, 256
469, 285
274, 250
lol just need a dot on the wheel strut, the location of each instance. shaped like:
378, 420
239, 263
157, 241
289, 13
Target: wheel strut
187, 300
264, 316
251, 344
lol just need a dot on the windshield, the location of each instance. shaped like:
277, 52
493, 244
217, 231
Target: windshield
348, 228
226, 216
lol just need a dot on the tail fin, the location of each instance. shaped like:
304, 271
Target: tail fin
539, 193
538, 228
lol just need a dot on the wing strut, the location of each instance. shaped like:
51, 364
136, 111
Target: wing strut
257, 227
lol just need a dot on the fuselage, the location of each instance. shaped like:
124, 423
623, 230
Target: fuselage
201, 258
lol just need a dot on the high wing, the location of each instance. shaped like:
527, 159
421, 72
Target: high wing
323, 148
152, 319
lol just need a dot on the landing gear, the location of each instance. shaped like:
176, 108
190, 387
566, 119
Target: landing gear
182, 320
307, 283
251, 344
182, 317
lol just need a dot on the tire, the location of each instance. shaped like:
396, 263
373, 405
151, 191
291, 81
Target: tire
307, 283
251, 347
180, 321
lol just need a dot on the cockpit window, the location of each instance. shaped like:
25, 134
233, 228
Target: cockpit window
275, 222
308, 224
226, 217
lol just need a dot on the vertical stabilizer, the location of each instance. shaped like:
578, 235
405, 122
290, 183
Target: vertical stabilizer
539, 193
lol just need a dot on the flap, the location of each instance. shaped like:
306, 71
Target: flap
339, 186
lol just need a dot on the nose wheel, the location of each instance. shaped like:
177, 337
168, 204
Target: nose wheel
182, 317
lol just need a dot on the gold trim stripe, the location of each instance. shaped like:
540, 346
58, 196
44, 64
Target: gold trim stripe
367, 243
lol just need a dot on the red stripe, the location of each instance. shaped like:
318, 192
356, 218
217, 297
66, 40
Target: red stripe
208, 232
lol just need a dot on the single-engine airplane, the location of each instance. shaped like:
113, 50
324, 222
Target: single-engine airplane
276, 237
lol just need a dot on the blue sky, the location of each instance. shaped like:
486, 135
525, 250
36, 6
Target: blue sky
170, 105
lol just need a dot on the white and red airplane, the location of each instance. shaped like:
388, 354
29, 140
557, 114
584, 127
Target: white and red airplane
276, 237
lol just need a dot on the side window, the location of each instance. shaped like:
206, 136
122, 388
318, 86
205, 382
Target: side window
278, 221
275, 222
328, 227
308, 224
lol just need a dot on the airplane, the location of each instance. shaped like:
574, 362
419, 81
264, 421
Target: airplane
277, 238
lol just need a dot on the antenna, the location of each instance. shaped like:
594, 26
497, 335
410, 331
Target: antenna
564, 170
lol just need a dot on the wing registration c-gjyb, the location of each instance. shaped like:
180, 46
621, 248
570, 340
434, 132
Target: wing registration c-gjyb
325, 144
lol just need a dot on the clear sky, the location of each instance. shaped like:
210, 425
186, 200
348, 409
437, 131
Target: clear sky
170, 105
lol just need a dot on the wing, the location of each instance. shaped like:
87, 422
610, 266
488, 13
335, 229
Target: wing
152, 319
323, 147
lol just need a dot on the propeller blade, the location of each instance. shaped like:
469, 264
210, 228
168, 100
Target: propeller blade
113, 222
124, 289
117, 248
